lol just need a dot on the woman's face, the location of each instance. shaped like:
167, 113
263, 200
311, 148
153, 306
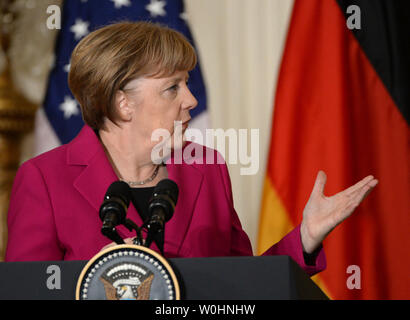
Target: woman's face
155, 103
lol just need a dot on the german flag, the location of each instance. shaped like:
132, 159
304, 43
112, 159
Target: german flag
342, 106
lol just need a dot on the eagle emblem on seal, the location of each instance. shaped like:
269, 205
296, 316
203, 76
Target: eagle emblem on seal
127, 281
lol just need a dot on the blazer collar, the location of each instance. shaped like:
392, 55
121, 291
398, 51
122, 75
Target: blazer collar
93, 182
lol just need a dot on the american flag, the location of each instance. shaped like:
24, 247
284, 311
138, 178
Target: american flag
79, 18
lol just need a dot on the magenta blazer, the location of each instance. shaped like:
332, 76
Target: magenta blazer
54, 204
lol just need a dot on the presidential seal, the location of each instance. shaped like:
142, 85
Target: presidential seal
127, 272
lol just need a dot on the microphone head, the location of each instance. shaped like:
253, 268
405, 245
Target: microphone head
168, 187
165, 195
119, 189
116, 199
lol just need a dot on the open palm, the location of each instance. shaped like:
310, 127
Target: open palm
322, 214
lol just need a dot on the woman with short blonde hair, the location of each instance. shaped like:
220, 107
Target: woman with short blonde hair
109, 58
130, 79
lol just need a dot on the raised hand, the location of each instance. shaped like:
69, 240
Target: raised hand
322, 214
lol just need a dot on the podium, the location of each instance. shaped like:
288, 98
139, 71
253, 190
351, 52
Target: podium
220, 278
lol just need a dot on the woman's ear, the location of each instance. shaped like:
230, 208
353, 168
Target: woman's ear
122, 107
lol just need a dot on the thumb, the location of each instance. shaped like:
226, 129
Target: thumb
320, 183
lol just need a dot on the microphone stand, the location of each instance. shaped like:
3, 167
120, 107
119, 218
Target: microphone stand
131, 225
113, 235
150, 239
154, 230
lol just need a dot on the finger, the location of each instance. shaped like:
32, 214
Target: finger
128, 240
358, 185
369, 188
320, 183
364, 191
356, 199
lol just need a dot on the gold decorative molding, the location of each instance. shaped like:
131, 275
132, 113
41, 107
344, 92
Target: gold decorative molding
16, 113
16, 119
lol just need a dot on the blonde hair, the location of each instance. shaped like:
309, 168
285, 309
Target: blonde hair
107, 59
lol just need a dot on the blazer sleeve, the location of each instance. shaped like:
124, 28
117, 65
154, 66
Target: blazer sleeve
32, 233
290, 245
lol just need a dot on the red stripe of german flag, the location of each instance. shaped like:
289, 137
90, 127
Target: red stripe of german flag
340, 108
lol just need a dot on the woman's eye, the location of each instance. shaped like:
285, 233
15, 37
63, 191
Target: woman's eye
173, 88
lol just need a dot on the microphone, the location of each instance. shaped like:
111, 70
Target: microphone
114, 209
161, 208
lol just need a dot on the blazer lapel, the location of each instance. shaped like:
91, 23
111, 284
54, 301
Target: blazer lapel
189, 180
94, 180
92, 183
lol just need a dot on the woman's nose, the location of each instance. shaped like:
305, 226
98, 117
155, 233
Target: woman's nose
190, 101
